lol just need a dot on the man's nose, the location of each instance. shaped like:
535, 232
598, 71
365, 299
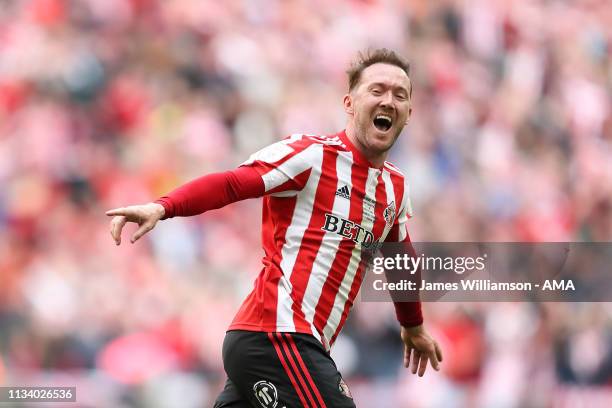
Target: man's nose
387, 99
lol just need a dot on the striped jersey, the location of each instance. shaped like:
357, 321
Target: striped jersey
325, 207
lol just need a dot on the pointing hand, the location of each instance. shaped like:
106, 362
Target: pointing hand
145, 215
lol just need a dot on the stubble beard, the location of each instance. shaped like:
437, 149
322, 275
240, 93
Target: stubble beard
366, 134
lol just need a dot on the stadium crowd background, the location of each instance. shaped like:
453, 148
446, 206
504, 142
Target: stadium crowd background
115, 102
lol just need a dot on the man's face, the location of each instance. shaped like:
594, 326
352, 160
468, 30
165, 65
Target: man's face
379, 106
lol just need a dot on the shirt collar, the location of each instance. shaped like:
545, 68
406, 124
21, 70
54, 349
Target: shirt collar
357, 154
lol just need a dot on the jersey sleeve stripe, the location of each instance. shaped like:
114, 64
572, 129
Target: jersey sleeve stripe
292, 167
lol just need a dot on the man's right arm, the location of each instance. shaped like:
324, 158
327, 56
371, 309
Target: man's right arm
205, 193
212, 191
282, 167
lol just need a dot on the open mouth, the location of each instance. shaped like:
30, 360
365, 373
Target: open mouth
383, 122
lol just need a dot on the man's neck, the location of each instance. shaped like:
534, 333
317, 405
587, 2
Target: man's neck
376, 159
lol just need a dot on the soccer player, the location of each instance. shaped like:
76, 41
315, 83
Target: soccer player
327, 201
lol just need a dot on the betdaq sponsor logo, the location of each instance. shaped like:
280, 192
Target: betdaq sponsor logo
349, 229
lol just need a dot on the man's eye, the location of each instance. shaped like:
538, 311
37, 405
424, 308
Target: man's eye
376, 91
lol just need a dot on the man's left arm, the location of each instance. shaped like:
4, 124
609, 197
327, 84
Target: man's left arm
419, 346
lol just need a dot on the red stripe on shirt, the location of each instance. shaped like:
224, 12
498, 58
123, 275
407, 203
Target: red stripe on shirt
312, 239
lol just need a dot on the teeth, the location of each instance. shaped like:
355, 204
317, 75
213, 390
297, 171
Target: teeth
383, 122
383, 117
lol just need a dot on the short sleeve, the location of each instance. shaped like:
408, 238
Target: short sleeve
284, 166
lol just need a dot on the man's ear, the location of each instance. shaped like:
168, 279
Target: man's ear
409, 114
348, 104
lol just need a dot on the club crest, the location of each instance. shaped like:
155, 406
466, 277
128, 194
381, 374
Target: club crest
389, 213
344, 389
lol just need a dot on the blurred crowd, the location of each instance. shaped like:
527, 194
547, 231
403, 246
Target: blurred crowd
115, 102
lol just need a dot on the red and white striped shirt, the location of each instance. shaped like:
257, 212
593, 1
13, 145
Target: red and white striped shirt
324, 205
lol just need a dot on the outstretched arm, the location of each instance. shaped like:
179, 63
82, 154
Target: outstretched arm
212, 191
281, 167
203, 194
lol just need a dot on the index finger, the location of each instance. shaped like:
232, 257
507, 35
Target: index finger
117, 211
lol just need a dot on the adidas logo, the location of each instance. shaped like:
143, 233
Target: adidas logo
344, 192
